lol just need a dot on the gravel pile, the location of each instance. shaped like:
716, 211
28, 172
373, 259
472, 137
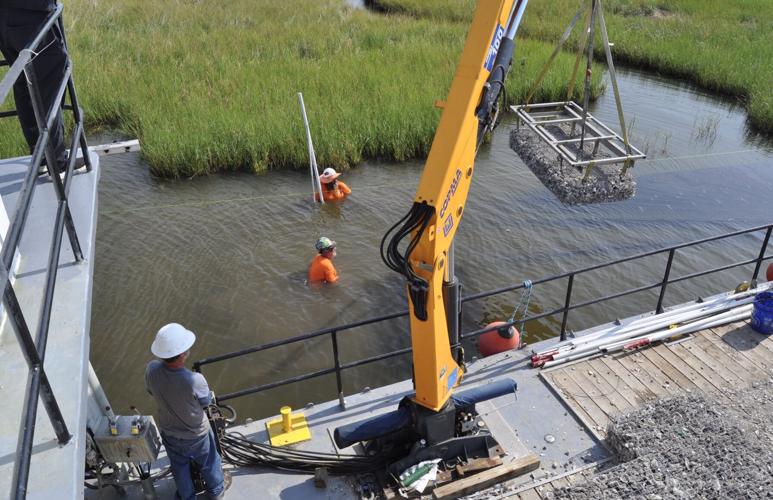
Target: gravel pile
690, 446
603, 185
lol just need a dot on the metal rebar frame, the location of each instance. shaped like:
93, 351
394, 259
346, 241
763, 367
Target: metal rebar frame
608, 146
570, 277
34, 352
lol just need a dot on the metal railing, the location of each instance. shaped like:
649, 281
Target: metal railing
34, 352
570, 277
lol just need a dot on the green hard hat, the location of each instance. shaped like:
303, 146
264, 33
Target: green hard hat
324, 243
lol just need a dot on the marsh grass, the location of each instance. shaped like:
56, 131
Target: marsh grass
721, 45
208, 88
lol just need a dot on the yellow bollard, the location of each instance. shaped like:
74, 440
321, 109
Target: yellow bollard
288, 428
286, 413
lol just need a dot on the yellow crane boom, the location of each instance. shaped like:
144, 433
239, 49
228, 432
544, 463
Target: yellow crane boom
442, 193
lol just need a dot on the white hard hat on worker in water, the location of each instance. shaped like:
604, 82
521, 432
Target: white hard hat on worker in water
171, 340
328, 175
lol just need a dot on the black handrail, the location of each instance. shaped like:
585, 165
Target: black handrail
34, 352
570, 276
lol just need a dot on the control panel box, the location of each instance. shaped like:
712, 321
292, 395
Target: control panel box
127, 439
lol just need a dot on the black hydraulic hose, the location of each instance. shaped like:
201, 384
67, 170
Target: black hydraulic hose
239, 450
493, 88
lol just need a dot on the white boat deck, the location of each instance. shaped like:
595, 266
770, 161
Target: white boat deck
55, 472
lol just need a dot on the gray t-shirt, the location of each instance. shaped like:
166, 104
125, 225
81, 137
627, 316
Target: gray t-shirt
180, 395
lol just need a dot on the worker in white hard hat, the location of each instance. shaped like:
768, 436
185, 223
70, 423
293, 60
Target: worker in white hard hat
181, 396
332, 188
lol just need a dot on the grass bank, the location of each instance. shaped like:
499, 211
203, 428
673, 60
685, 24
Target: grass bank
721, 45
208, 88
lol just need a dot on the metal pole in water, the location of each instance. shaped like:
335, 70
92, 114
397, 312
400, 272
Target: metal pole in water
315, 182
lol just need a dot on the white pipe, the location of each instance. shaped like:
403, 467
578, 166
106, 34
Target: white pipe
99, 393
654, 319
729, 316
637, 332
700, 324
644, 326
315, 182
615, 329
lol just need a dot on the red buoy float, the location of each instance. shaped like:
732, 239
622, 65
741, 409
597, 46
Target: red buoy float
500, 340
769, 273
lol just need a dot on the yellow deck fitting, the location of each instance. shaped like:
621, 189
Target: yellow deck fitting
288, 428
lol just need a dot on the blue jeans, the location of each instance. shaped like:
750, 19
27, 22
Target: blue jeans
202, 451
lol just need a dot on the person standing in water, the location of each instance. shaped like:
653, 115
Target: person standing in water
321, 269
332, 188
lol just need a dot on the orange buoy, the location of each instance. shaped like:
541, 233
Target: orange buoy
769, 273
497, 341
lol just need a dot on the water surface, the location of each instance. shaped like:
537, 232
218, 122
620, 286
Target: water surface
226, 255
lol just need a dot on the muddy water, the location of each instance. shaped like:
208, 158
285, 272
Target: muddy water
227, 255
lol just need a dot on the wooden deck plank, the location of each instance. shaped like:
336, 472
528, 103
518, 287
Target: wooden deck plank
588, 384
580, 477
696, 364
563, 393
543, 490
724, 357
653, 354
561, 482
745, 340
642, 392
529, 495
603, 371
715, 365
687, 369
575, 396
610, 391
632, 363
649, 374
755, 372
487, 478
765, 341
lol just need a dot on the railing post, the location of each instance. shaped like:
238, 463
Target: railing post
337, 361
567, 302
38, 106
762, 253
659, 307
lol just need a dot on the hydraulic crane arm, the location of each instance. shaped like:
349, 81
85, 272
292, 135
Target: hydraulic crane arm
431, 224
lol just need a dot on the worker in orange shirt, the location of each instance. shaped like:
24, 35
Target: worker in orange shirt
332, 188
321, 269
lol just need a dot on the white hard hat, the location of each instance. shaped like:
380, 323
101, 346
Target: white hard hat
171, 340
328, 175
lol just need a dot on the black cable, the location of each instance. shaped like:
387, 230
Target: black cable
239, 450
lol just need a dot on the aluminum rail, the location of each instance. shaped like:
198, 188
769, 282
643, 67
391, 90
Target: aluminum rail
334, 332
34, 352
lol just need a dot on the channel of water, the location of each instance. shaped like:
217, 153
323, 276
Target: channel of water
226, 255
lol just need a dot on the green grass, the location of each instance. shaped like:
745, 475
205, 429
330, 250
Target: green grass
207, 88
721, 45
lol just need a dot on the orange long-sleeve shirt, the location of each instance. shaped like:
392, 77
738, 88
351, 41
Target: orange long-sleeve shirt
322, 269
339, 193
